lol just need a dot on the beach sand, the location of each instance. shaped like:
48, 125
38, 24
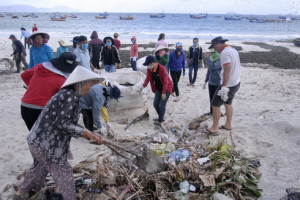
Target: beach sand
266, 120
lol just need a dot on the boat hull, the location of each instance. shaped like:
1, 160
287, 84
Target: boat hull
297, 42
100, 17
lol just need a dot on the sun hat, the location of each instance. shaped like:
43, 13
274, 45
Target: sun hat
150, 59
178, 44
62, 43
34, 34
116, 35
12, 36
160, 47
65, 63
81, 74
216, 41
109, 38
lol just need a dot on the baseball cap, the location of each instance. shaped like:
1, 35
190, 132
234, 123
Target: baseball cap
216, 41
149, 59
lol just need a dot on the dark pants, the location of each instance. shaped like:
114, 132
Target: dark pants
160, 105
87, 119
175, 78
133, 64
95, 61
191, 68
30, 115
36, 175
26, 42
212, 90
18, 62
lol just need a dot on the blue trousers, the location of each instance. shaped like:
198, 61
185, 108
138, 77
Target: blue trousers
160, 105
133, 64
191, 68
110, 68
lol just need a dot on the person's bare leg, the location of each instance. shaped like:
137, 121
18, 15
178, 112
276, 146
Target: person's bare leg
216, 118
229, 113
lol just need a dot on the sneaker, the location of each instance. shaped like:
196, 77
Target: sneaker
16, 72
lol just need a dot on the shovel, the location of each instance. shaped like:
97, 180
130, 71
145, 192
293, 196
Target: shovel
146, 160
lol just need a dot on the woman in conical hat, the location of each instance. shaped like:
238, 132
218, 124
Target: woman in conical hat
49, 139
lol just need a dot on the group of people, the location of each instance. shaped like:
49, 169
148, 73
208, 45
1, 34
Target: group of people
59, 89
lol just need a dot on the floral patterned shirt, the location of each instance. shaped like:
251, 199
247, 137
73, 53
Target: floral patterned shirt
56, 125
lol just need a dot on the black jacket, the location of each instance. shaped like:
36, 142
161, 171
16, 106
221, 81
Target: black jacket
198, 54
109, 57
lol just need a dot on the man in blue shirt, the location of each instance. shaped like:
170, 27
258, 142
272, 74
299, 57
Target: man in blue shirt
26, 35
82, 53
39, 52
19, 53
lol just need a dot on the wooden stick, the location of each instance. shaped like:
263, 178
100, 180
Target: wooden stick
118, 147
232, 140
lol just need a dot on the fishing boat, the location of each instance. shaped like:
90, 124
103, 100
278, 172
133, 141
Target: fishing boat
158, 15
101, 17
73, 16
198, 16
233, 18
296, 42
58, 17
257, 20
128, 17
1, 15
14, 17
25, 15
33, 15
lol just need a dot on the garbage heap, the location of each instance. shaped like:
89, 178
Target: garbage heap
191, 172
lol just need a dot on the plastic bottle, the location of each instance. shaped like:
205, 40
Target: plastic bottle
88, 181
184, 186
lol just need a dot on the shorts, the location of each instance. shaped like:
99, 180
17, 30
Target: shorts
217, 101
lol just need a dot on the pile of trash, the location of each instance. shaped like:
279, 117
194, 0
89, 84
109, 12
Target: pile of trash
191, 172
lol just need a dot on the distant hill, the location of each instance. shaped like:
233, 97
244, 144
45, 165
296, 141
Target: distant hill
28, 8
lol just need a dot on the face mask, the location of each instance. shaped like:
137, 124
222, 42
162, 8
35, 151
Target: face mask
84, 46
108, 43
162, 53
150, 67
132, 41
195, 44
178, 49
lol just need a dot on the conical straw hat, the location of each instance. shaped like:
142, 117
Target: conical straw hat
80, 74
160, 47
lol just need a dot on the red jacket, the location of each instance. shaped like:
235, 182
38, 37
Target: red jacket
42, 85
117, 44
164, 78
134, 50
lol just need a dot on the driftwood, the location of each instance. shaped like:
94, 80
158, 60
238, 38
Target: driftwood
140, 118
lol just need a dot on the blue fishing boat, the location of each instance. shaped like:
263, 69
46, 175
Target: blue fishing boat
233, 18
257, 20
105, 14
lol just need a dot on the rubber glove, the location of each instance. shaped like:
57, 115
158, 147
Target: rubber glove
183, 72
140, 88
108, 126
223, 93
204, 85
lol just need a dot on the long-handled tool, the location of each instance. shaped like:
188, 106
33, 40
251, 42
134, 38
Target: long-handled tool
146, 160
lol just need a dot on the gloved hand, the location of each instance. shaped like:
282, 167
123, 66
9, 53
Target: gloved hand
103, 130
223, 93
183, 72
108, 126
204, 85
140, 88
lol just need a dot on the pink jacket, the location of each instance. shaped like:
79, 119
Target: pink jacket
134, 51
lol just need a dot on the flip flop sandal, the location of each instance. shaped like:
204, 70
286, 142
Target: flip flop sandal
207, 131
224, 128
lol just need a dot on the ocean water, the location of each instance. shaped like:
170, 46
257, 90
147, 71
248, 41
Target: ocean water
144, 27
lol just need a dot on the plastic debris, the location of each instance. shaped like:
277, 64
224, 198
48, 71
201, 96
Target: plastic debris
201, 161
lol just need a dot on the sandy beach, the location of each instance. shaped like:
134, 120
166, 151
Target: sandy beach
266, 117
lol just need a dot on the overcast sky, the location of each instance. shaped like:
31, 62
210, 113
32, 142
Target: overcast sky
171, 6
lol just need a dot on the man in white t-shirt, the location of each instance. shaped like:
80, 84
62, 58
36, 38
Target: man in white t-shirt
229, 85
